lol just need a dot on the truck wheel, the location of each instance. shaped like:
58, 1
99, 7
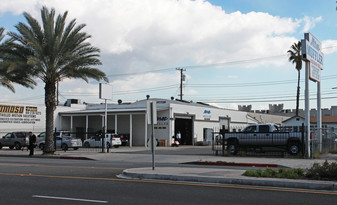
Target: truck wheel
116, 146
232, 148
293, 148
0, 146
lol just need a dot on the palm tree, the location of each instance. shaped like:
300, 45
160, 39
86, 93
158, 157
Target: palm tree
51, 53
9, 74
295, 57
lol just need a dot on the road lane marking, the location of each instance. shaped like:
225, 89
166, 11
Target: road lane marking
69, 199
176, 183
54, 166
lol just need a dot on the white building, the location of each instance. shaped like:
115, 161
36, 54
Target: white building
195, 121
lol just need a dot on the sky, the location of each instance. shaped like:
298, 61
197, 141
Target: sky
232, 52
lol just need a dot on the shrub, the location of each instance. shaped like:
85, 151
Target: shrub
280, 173
326, 171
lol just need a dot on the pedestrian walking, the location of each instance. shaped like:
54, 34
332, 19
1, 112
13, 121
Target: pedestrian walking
178, 137
32, 141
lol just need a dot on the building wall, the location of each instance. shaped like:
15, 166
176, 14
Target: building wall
203, 117
138, 130
208, 117
21, 117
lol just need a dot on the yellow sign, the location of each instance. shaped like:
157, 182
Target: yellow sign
31, 108
11, 109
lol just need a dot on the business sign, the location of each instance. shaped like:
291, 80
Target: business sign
207, 115
311, 50
315, 73
105, 91
151, 109
14, 114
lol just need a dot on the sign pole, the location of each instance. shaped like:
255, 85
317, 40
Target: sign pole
313, 56
319, 116
105, 125
152, 138
307, 109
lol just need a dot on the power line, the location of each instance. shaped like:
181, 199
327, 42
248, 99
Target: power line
201, 66
228, 63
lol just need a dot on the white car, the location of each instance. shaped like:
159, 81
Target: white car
112, 140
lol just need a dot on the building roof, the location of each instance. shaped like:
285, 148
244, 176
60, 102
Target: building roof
325, 119
296, 116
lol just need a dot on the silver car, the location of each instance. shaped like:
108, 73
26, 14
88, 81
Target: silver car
64, 142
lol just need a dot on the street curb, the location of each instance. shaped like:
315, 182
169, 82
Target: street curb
238, 164
75, 158
269, 182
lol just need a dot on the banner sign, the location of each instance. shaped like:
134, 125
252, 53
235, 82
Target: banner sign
311, 50
14, 114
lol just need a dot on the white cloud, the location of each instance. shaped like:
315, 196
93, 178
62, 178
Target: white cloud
164, 32
138, 35
329, 46
310, 22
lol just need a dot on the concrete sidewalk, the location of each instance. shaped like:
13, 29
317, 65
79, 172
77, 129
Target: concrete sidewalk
194, 173
222, 176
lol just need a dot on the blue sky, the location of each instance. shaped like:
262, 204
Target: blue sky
234, 52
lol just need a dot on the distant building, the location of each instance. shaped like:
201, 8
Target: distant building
277, 109
295, 122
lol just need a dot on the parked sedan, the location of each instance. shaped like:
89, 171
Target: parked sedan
96, 141
64, 143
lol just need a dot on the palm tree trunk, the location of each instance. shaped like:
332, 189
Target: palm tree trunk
298, 93
50, 89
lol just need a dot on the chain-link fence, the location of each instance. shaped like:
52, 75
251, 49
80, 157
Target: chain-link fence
264, 144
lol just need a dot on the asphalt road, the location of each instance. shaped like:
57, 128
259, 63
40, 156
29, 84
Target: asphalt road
57, 181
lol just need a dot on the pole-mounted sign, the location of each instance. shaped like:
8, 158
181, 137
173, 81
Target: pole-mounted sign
312, 52
313, 57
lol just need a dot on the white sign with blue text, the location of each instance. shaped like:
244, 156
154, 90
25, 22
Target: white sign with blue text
311, 50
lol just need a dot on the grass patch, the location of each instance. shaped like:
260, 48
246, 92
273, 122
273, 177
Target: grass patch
326, 171
272, 173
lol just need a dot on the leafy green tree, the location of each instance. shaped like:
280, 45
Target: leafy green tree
295, 57
52, 52
8, 73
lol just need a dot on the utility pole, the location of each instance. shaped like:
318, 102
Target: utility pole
181, 81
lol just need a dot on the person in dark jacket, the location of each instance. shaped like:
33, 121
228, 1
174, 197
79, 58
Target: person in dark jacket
32, 141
